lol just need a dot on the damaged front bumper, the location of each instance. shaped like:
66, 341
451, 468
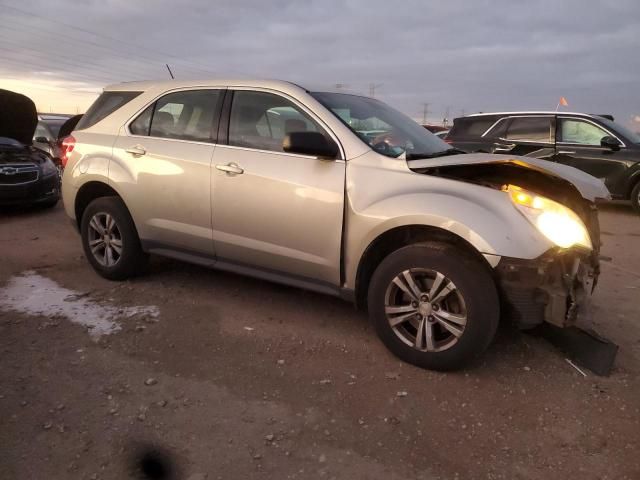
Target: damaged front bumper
555, 287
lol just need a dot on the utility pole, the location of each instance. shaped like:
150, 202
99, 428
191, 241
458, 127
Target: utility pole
462, 112
445, 120
425, 113
372, 89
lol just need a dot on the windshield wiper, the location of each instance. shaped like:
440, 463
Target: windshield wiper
442, 153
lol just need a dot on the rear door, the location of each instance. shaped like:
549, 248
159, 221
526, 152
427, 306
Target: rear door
527, 135
578, 142
164, 158
272, 210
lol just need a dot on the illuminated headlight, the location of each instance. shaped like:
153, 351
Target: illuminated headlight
558, 223
49, 168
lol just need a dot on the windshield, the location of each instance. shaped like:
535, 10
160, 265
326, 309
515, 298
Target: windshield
383, 128
633, 137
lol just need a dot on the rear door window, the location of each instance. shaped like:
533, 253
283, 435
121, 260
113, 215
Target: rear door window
187, 115
105, 105
531, 129
141, 125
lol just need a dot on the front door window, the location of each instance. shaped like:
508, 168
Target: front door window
580, 132
261, 120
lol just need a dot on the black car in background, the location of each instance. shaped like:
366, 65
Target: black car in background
46, 140
50, 132
592, 143
27, 174
54, 121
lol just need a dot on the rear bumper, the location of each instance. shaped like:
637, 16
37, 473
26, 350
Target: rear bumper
555, 287
43, 190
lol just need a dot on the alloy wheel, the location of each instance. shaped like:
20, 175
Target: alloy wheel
105, 239
425, 310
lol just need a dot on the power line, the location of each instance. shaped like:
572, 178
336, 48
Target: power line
74, 42
177, 59
40, 67
60, 59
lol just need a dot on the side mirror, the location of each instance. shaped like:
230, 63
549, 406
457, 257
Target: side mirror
610, 142
41, 140
310, 143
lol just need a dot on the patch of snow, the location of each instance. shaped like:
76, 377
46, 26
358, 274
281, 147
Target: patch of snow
34, 294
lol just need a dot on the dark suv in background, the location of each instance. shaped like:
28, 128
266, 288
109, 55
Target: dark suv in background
592, 143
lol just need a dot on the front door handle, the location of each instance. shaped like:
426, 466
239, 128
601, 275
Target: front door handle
136, 150
230, 169
503, 148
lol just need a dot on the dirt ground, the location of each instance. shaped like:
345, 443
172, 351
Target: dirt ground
238, 379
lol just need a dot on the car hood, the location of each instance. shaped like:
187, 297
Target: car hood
589, 187
18, 117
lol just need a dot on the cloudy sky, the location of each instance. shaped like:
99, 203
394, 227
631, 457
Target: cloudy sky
466, 56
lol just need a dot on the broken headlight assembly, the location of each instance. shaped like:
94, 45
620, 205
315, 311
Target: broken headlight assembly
558, 223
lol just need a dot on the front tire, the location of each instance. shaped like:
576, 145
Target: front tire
110, 239
434, 305
635, 198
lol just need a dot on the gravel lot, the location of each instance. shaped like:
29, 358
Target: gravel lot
239, 379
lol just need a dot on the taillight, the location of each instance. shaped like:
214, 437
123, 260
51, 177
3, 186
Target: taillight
68, 144
448, 140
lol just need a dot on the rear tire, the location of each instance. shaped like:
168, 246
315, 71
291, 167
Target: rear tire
110, 239
434, 305
635, 198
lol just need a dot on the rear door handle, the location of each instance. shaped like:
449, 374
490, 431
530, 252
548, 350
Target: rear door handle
566, 152
230, 169
136, 150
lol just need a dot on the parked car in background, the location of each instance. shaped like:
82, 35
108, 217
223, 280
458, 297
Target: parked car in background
44, 139
435, 128
46, 136
54, 121
27, 174
442, 134
335, 193
592, 143
67, 127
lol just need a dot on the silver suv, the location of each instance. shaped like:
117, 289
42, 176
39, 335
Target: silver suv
339, 194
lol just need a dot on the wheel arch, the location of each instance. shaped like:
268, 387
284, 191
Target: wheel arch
634, 180
88, 193
398, 237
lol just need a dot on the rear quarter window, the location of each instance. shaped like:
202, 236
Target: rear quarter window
105, 105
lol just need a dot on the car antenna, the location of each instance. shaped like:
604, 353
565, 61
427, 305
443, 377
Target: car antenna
170, 72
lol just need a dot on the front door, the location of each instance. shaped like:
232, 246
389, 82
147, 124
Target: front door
578, 145
272, 210
164, 160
